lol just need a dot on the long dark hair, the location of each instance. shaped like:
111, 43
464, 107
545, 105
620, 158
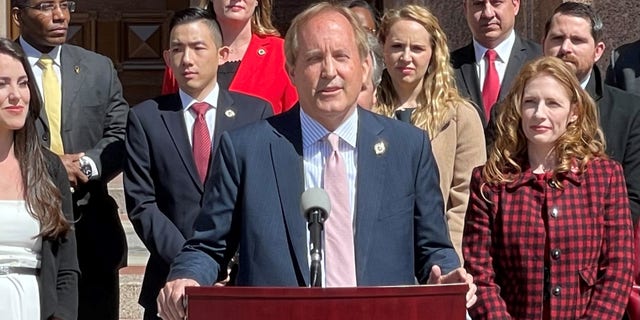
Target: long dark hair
43, 199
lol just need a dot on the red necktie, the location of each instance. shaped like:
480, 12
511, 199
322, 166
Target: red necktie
201, 139
491, 83
339, 247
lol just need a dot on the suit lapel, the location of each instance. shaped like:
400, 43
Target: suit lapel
516, 61
369, 185
226, 115
172, 115
288, 168
73, 72
470, 78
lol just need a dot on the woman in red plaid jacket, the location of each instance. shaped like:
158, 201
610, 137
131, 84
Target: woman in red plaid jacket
548, 231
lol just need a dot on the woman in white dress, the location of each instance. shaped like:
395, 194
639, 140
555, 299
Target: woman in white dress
38, 264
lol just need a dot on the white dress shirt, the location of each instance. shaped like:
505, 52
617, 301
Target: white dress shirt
210, 115
503, 51
317, 150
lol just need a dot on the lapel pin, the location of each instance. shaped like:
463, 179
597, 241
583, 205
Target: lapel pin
261, 52
379, 148
230, 113
77, 69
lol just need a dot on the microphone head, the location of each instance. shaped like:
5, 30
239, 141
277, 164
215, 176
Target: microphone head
315, 199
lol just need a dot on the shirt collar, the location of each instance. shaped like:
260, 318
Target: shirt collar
312, 130
527, 176
503, 49
584, 82
211, 98
33, 55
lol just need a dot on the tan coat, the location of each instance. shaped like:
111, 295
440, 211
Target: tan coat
458, 148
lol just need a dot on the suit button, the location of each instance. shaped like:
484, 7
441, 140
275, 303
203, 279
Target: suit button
556, 291
555, 254
554, 212
45, 136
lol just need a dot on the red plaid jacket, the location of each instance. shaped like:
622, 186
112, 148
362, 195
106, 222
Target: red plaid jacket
589, 230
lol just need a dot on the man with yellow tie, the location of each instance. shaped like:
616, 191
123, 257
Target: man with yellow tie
83, 121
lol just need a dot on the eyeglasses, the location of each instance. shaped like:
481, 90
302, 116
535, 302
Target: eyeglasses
48, 7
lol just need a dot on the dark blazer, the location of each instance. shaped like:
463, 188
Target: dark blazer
624, 69
620, 122
464, 65
163, 191
94, 115
253, 202
59, 263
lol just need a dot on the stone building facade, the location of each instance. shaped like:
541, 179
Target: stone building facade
133, 33
621, 18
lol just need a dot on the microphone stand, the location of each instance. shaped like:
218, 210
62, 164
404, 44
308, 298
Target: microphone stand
315, 234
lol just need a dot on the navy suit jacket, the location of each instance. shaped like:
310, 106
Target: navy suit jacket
624, 68
253, 202
464, 64
163, 190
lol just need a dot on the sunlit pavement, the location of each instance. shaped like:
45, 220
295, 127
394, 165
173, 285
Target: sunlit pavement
131, 276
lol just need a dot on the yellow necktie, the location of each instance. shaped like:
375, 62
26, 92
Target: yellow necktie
52, 102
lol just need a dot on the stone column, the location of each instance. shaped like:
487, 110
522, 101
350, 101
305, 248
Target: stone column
4, 12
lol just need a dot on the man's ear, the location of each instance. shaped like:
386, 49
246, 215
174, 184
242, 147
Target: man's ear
166, 54
223, 54
600, 47
516, 6
367, 69
290, 71
16, 16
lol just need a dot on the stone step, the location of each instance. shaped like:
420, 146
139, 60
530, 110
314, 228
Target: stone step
131, 276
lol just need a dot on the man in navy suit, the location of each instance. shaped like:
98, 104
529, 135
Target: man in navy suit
492, 25
253, 200
162, 180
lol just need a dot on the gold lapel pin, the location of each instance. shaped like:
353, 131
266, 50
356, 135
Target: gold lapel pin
77, 69
379, 148
262, 52
230, 113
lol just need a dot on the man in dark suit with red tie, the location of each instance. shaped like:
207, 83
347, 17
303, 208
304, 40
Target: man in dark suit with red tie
486, 67
170, 141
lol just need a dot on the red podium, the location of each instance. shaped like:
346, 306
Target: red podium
441, 302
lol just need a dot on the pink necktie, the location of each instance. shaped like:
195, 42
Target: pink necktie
339, 248
201, 139
491, 83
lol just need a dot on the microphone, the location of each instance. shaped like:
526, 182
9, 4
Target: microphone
315, 206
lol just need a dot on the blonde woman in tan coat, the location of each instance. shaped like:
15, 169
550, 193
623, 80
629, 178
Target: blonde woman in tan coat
418, 87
